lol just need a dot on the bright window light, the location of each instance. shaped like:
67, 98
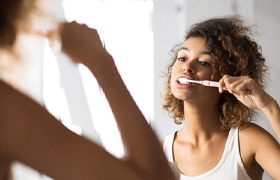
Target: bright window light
125, 28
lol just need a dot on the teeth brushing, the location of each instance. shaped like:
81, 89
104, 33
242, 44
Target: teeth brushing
204, 82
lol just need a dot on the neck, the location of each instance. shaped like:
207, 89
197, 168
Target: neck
201, 123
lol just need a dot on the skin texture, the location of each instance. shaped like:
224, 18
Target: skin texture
202, 137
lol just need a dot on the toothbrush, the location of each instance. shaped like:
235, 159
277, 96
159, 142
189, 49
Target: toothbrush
204, 82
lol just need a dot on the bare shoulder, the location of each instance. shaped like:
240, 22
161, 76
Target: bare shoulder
253, 132
255, 136
259, 150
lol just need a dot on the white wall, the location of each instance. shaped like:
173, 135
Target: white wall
267, 18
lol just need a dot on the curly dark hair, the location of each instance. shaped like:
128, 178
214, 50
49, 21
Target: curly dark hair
234, 53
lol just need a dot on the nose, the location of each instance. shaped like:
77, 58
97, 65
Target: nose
188, 68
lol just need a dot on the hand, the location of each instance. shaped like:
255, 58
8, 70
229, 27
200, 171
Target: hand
81, 43
246, 90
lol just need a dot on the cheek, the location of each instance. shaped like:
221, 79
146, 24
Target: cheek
207, 74
177, 94
172, 82
216, 76
173, 76
172, 85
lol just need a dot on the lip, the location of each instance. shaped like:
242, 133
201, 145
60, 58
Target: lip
185, 85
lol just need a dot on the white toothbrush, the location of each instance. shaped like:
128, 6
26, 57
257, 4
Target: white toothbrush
204, 82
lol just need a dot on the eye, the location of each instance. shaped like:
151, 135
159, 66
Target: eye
204, 63
182, 56
183, 59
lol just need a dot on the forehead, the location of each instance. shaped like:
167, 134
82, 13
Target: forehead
195, 45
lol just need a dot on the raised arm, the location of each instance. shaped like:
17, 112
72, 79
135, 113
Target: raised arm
28, 133
142, 148
263, 145
252, 95
272, 112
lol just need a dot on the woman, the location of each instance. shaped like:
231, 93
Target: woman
28, 133
218, 139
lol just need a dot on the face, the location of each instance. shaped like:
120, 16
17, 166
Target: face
193, 62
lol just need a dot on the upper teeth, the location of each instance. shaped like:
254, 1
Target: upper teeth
183, 80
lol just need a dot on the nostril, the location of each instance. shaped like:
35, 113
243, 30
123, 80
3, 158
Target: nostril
190, 71
187, 69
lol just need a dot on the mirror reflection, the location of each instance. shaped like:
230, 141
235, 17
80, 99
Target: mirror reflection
139, 34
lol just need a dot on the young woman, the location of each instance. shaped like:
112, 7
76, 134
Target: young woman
218, 140
28, 133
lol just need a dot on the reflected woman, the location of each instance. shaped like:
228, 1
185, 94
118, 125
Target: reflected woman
218, 139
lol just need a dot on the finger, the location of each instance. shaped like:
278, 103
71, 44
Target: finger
222, 84
237, 84
227, 80
245, 87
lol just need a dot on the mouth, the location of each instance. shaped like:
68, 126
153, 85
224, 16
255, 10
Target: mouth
186, 81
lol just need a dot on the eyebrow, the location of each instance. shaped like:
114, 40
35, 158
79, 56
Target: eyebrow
202, 52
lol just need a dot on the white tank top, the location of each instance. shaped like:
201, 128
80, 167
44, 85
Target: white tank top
230, 166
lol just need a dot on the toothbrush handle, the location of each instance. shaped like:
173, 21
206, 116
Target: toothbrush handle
211, 83
214, 84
